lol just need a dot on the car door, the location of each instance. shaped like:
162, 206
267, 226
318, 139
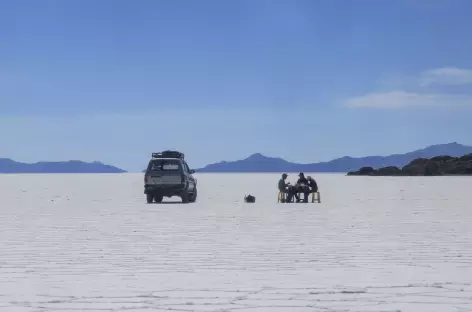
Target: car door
191, 179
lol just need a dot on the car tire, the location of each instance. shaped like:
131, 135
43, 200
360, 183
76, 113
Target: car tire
149, 198
193, 198
185, 196
158, 198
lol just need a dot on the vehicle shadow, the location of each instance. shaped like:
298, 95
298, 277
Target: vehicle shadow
167, 203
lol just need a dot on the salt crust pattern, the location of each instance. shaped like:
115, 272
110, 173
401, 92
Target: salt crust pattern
90, 243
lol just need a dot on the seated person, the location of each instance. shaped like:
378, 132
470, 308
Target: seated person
286, 188
312, 184
302, 187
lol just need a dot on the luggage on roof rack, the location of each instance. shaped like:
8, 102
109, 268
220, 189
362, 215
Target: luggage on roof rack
169, 154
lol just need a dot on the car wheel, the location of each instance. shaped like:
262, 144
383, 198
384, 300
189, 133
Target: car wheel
193, 198
158, 198
149, 198
184, 196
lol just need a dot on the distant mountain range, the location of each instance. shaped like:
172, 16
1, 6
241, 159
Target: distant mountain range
260, 163
254, 163
72, 166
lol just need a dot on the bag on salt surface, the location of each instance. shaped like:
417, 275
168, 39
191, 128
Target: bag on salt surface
249, 199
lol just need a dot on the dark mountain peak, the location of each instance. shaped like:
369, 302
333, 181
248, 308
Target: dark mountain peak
6, 160
451, 144
257, 156
447, 148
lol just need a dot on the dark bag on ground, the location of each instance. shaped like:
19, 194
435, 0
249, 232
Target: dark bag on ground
249, 199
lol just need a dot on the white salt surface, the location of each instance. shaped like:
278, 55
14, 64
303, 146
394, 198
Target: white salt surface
91, 243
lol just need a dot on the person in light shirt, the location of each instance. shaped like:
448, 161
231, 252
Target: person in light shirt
286, 188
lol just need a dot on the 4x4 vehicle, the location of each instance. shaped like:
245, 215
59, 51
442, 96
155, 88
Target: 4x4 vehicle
168, 175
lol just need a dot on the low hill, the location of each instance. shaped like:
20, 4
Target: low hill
260, 163
72, 166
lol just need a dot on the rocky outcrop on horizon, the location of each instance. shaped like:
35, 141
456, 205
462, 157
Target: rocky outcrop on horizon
435, 166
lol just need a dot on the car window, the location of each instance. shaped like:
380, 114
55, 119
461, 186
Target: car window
164, 165
186, 168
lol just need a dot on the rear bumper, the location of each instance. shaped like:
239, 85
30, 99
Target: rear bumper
164, 189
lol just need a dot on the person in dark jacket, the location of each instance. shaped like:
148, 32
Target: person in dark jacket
302, 187
286, 188
312, 184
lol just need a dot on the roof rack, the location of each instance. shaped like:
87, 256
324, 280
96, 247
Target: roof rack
169, 154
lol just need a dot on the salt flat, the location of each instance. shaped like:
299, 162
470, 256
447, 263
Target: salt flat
91, 243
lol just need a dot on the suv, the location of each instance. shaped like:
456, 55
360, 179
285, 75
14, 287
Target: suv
168, 175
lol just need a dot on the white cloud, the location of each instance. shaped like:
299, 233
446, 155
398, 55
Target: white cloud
401, 99
446, 76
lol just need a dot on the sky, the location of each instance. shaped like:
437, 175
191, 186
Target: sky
308, 81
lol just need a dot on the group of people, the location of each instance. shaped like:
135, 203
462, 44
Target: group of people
304, 185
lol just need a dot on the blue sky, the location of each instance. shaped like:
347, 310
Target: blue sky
308, 81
